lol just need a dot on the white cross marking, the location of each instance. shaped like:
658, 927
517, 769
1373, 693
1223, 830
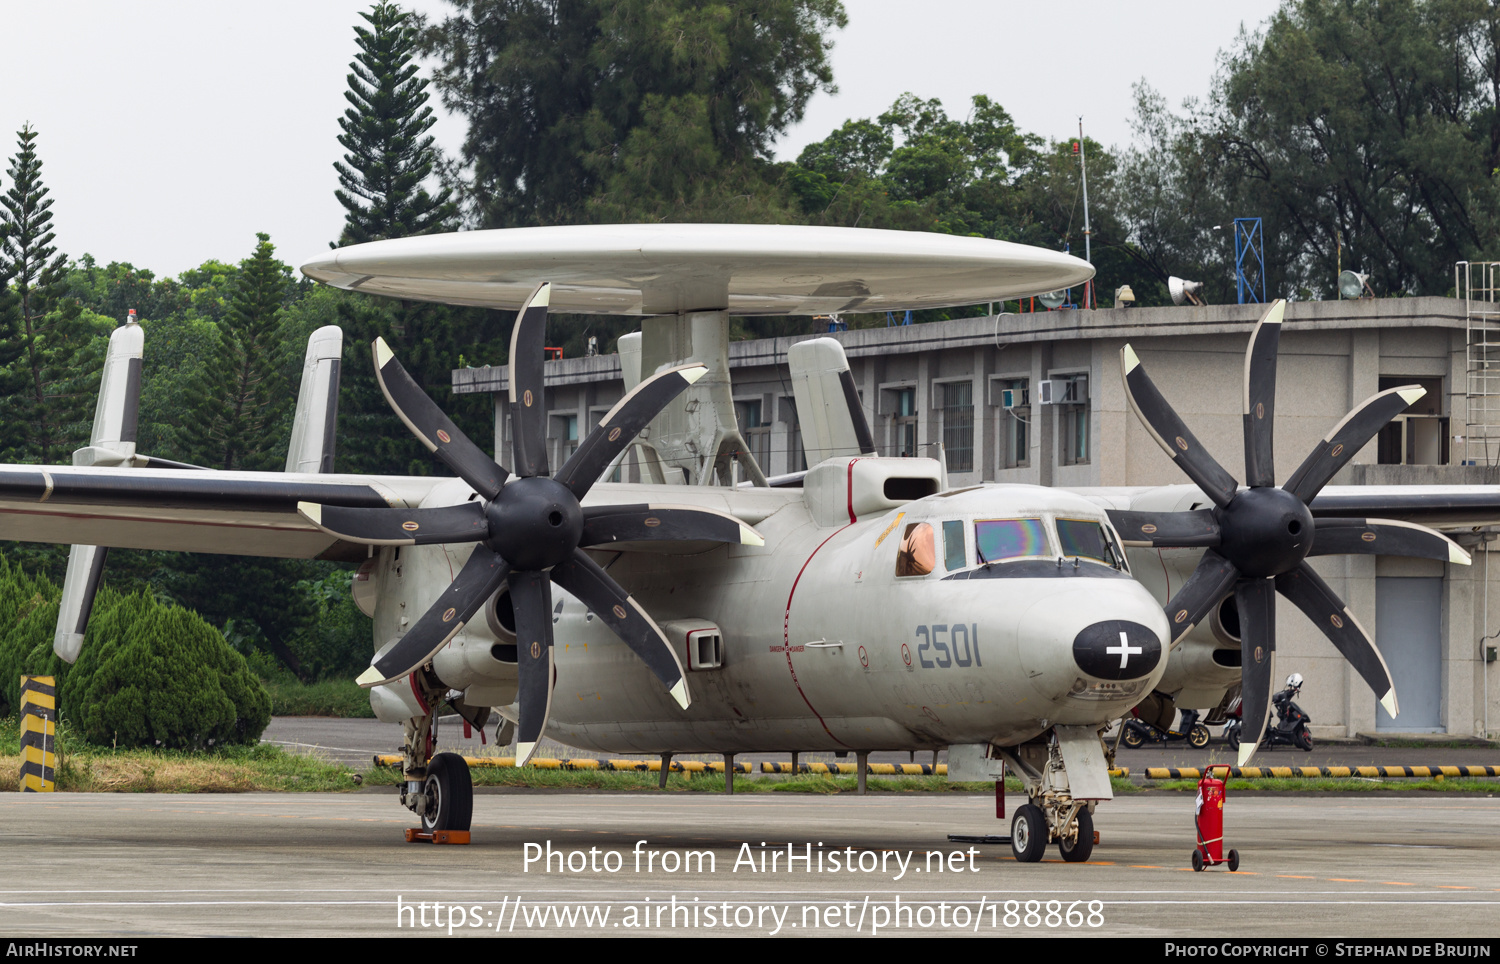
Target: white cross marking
1124, 649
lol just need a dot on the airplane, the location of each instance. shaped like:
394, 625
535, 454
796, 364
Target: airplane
695, 614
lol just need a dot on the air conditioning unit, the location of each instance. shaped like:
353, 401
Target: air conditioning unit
1048, 390
1008, 398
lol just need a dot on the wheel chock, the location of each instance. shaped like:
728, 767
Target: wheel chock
414, 835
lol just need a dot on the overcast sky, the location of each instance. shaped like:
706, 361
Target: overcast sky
171, 131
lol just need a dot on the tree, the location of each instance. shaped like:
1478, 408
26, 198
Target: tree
385, 132
50, 389
1365, 134
239, 401
598, 110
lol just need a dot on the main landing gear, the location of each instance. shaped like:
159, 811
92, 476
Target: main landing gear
1059, 809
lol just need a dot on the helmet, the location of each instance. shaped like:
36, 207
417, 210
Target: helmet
1294, 682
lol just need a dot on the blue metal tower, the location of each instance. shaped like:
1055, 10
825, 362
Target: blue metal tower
1249, 249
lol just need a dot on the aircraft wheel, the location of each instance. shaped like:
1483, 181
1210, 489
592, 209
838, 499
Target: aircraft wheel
1132, 738
1198, 736
1083, 848
1234, 860
450, 794
1197, 860
1028, 833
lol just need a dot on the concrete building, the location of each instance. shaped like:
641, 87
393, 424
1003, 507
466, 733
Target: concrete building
941, 389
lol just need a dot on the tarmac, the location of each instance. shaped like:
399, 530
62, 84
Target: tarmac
1342, 867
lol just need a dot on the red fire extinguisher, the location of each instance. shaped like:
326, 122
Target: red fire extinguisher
1208, 819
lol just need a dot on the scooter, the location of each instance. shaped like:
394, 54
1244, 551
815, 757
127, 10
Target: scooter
1138, 734
1290, 728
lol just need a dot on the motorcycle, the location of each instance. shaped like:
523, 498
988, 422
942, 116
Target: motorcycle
1289, 729
1138, 734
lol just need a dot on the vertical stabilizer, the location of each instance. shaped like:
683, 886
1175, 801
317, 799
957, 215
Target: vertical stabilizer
313, 427
828, 407
112, 442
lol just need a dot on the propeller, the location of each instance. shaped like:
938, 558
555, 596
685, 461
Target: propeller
529, 530
1256, 540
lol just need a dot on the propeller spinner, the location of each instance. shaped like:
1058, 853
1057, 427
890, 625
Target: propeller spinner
529, 532
1257, 539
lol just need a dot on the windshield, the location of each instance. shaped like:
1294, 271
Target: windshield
999, 539
1087, 539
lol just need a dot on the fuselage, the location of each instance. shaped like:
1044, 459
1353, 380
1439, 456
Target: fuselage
984, 615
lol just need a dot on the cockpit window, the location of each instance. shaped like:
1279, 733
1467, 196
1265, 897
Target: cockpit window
954, 554
1088, 540
999, 539
918, 552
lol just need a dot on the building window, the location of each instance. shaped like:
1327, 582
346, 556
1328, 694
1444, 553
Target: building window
1015, 423
796, 455
1418, 436
1072, 394
958, 425
904, 424
757, 432
564, 438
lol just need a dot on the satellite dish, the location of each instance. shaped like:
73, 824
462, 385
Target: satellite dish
1352, 285
1053, 299
1181, 291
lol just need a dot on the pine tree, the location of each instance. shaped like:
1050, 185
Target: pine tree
49, 397
385, 133
238, 406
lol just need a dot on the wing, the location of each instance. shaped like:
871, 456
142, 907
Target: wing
233, 513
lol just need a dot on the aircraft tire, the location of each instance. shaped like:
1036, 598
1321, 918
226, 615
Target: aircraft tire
1028, 833
450, 794
1083, 848
1198, 736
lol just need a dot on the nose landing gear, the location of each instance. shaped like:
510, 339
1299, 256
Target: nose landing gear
1065, 776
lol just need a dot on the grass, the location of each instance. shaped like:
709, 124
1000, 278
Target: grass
333, 697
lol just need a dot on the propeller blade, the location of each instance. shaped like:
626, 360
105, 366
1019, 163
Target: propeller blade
1312, 595
434, 429
1347, 438
1384, 537
593, 587
1166, 530
1205, 589
1256, 599
528, 411
1260, 398
476, 582
620, 425
1163, 423
605, 524
399, 527
531, 595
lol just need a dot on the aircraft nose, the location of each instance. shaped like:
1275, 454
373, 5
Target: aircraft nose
1107, 638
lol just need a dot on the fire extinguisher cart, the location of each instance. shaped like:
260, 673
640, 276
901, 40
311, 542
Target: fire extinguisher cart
1208, 820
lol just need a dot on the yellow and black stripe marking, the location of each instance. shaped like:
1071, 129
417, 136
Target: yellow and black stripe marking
1266, 773
38, 733
699, 766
